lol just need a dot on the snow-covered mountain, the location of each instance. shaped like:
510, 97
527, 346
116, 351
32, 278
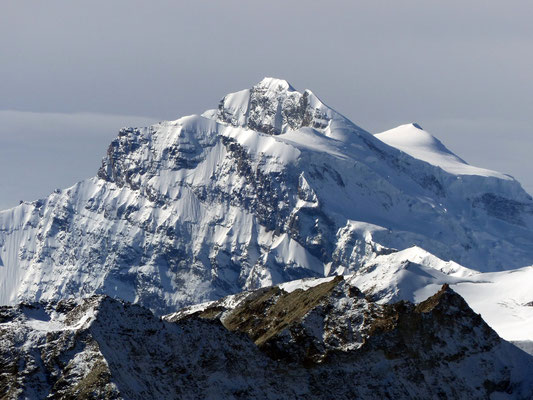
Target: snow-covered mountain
326, 342
504, 299
271, 186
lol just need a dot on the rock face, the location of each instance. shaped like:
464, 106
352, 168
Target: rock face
271, 186
326, 341
274, 107
104, 349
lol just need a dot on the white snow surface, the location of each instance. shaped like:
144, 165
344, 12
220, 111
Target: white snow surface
304, 284
415, 141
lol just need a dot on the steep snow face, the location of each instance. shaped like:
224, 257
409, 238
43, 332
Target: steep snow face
272, 186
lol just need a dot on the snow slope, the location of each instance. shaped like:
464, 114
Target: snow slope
504, 299
271, 186
415, 141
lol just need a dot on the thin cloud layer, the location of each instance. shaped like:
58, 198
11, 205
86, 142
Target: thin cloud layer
380, 63
44, 151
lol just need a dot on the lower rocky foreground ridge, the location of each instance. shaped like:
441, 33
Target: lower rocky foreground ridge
323, 339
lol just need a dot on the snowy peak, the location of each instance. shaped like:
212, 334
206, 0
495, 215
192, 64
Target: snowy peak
275, 84
271, 187
274, 107
418, 143
413, 136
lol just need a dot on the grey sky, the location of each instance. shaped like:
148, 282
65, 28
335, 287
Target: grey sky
460, 69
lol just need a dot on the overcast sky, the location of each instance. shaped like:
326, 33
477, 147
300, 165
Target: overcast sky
72, 73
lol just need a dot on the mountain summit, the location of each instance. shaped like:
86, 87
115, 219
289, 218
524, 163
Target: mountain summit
274, 107
271, 186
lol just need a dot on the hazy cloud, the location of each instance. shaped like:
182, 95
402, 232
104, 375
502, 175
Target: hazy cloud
43, 151
461, 69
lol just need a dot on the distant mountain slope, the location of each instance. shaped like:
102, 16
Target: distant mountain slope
504, 299
327, 342
271, 186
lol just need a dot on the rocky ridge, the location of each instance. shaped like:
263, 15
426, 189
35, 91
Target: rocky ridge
325, 341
